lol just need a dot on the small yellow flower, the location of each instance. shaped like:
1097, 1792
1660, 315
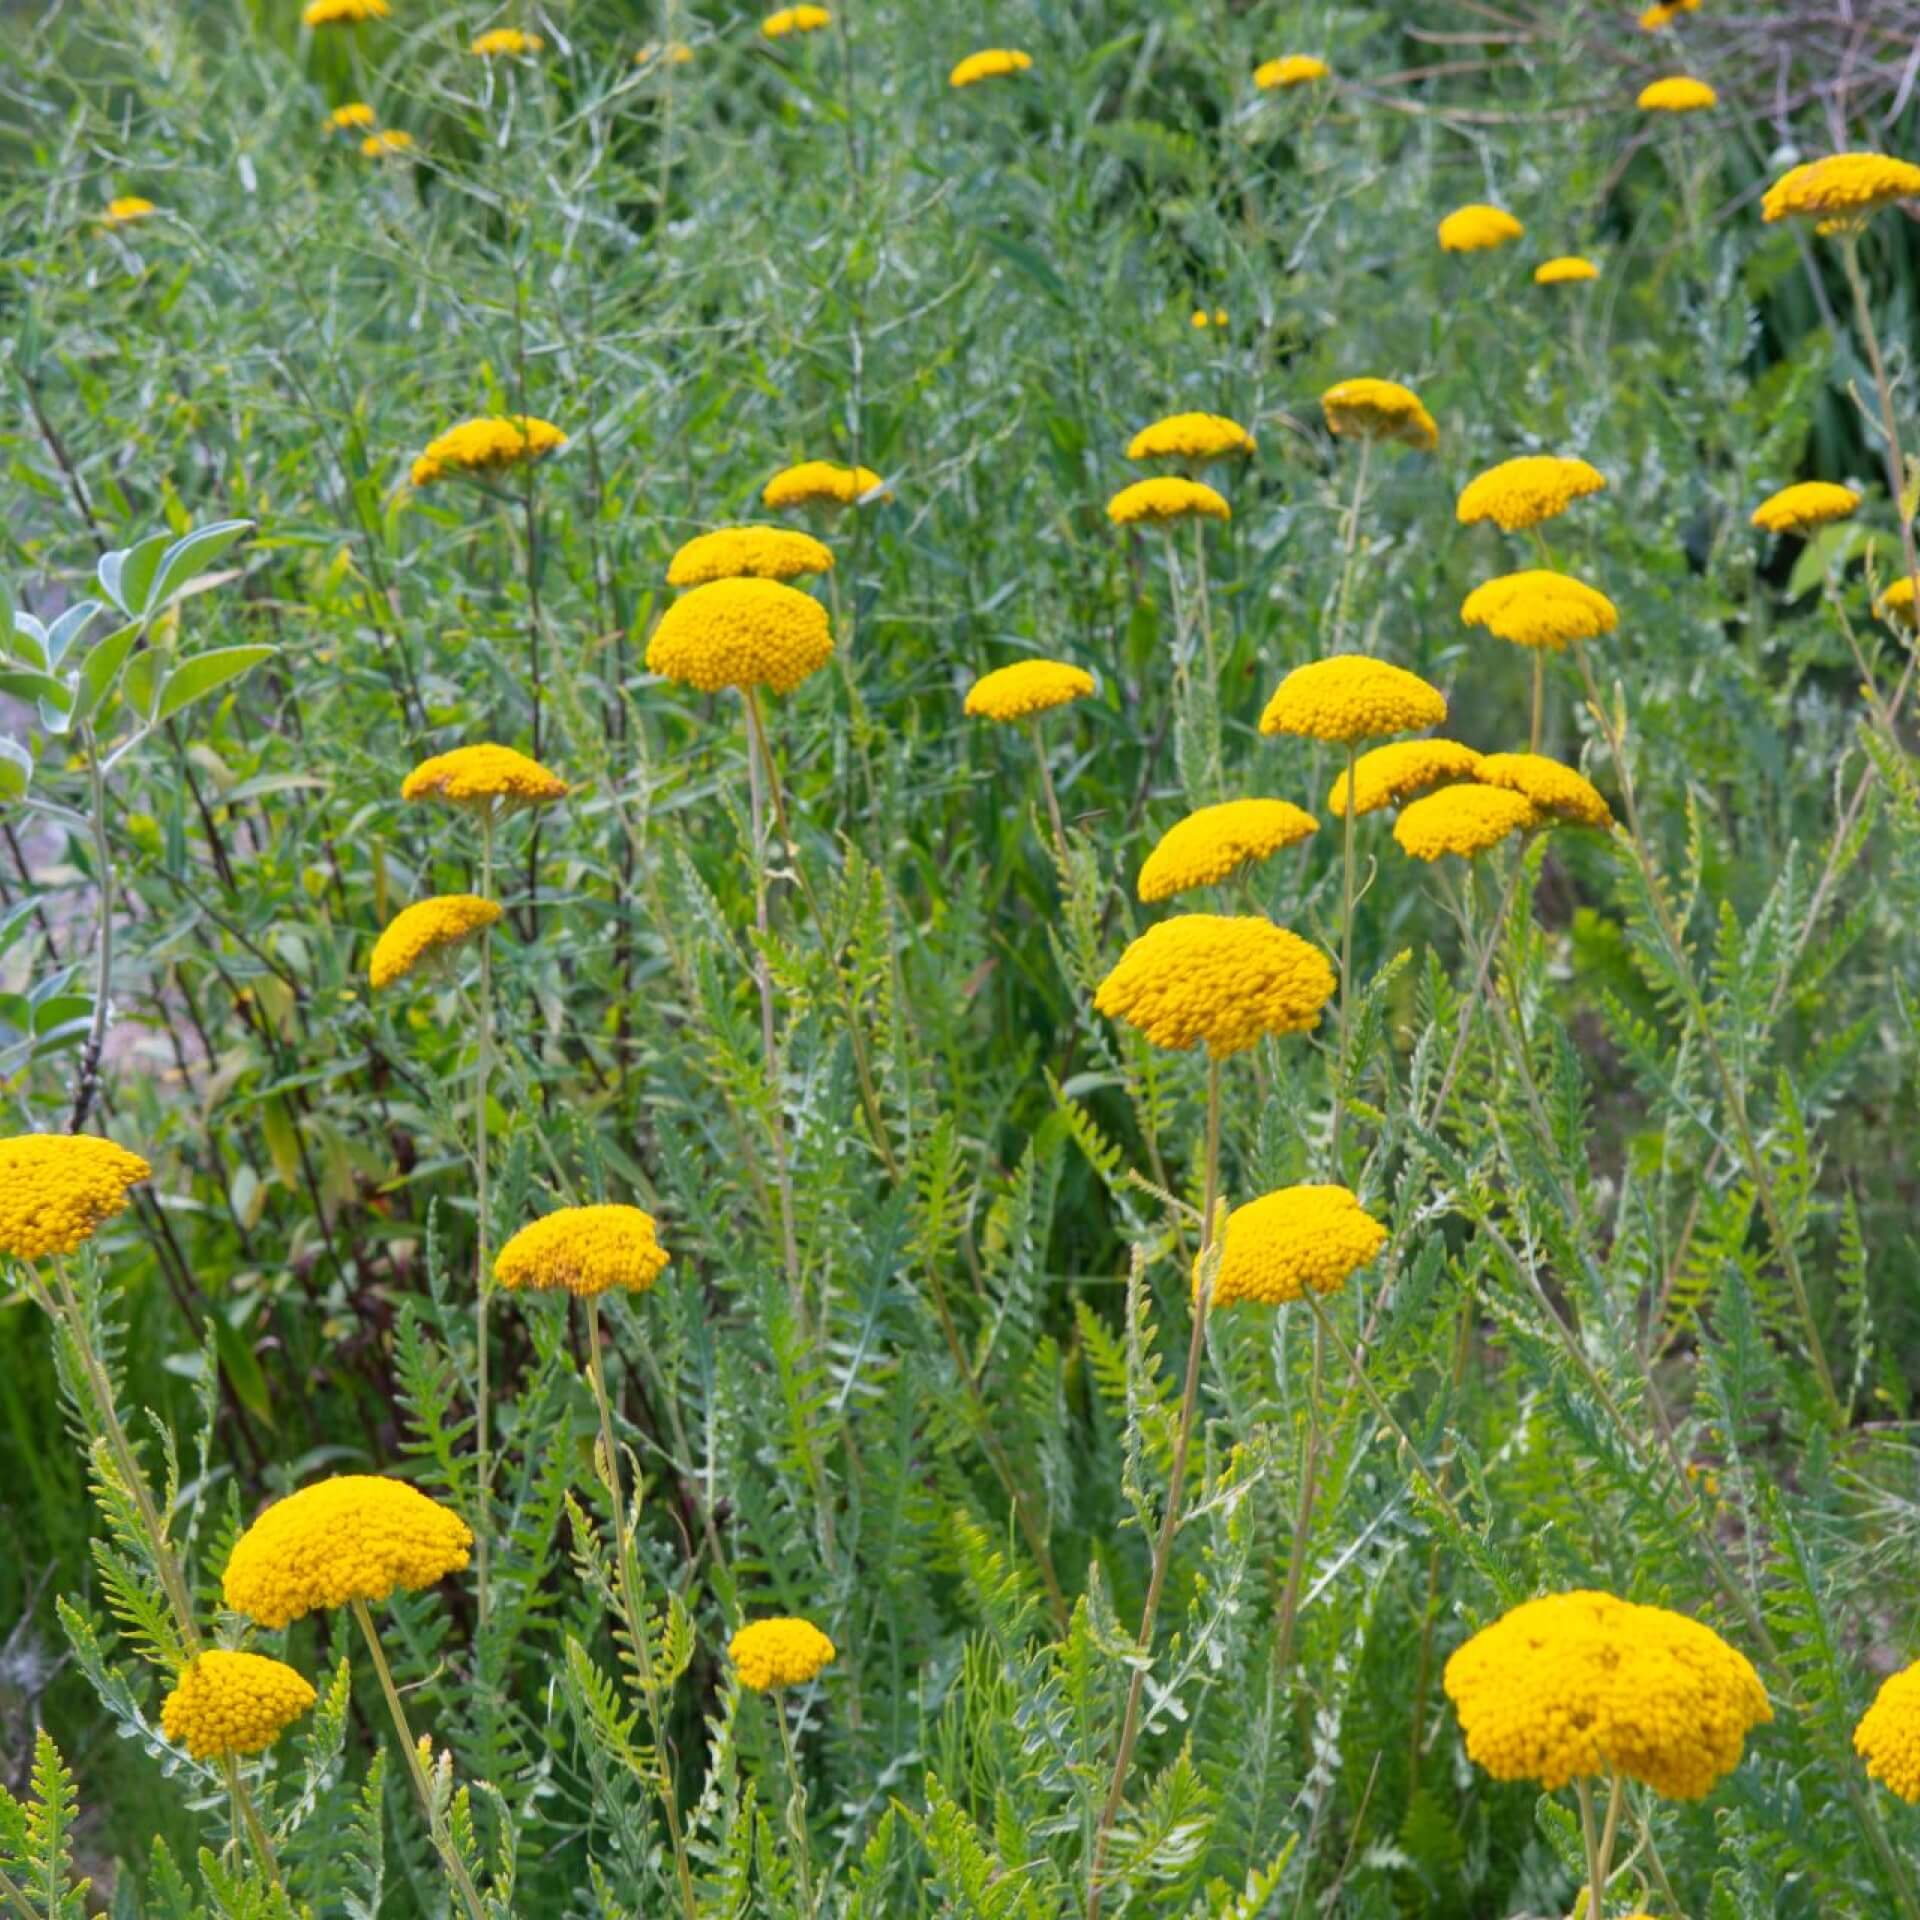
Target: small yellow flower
678, 53
1895, 606
490, 444
484, 777
1663, 13
585, 1250
1196, 437
1278, 1246
783, 1652
1521, 493
351, 118
1214, 843
1551, 788
57, 1189
820, 483
382, 146
989, 64
1290, 70
741, 633
427, 927
1565, 270
1027, 687
226, 1702
1202, 319
1678, 93
763, 553
1166, 498
1888, 1736
1802, 507
794, 20
1349, 697
1465, 820
1384, 776
1841, 191
1538, 608
507, 43
127, 209
334, 13
1477, 228
1379, 410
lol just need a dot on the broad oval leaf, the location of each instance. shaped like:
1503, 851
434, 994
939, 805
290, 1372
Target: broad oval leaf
127, 574
68, 628
26, 685
16, 769
102, 669
28, 642
194, 679
189, 555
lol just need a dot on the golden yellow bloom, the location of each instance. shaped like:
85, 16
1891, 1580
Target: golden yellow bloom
1801, 508
1213, 843
1578, 1683
1464, 820
331, 13
819, 483
782, 1652
1349, 697
1564, 270
1278, 1246
1550, 787
1522, 493
741, 633
1895, 606
1028, 686
233, 1703
794, 20
1166, 497
127, 209
585, 1250
506, 42
1384, 776
1196, 437
1663, 12
489, 444
427, 927
349, 118
379, 146
484, 777
678, 53
1888, 1736
1678, 93
1226, 979
1290, 70
1540, 609
354, 1537
1477, 228
1379, 410
57, 1188
989, 64
764, 553
1201, 318
1842, 190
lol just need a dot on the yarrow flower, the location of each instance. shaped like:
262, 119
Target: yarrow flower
1895, 606
1214, 843
1225, 979
354, 1537
783, 1652
1663, 13
58, 1189
1201, 320
335, 13
1198, 437
227, 1702
1379, 410
1550, 787
819, 483
1804, 506
1349, 697
1678, 93
585, 1250
741, 633
794, 20
1027, 687
484, 777
1888, 1736
127, 209
506, 42
1538, 608
1522, 493
1278, 1246
1466, 820
989, 64
427, 927
1564, 270
350, 118
489, 444
764, 553
1384, 776
1578, 1684
1166, 497
380, 146
1478, 228
1290, 70
1841, 191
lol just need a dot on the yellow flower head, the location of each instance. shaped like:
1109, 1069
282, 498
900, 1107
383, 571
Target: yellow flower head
56, 1189
1465, 820
585, 1250
1166, 497
1540, 609
505, 43
1202, 319
1521, 493
1842, 190
1663, 13
1290, 70
678, 53
1564, 270
380, 146
351, 118
127, 209
794, 20
1678, 93
1574, 1684
1198, 437
1214, 843
1379, 410
1895, 606
1349, 697
1477, 228
741, 633
779, 1653
1888, 1736
354, 1537
1226, 979
989, 64
338, 13
1278, 1246
1551, 788
1384, 776
427, 927
484, 777
764, 553
232, 1703
819, 483
489, 444
1026, 687
1801, 508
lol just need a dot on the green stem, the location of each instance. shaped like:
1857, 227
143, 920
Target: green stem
1046, 786
483, 1273
1350, 542
1346, 966
1539, 698
796, 1810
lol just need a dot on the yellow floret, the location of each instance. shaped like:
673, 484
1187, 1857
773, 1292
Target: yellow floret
351, 118
1027, 687
1190, 436
1888, 1736
127, 209
989, 64
427, 927
783, 1652
1895, 606
56, 1189
489, 444
505, 42
228, 1702
1384, 776
1350, 697
1214, 843
1842, 190
1466, 820
1166, 498
1564, 270
1476, 228
378, 146
1290, 70
1663, 12
820, 483
584, 1250
484, 777
794, 20
1538, 608
741, 633
1800, 508
1278, 1246
328, 13
764, 553
1551, 788
1521, 493
1379, 410
1678, 93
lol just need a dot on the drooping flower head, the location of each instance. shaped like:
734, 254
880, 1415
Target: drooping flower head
1166, 497
1379, 410
1663, 13
506, 43
343, 13
1842, 191
741, 633
484, 778
1290, 70
489, 444
385, 145
128, 208
354, 1537
1349, 697
585, 1251
1539, 608
1564, 270
1478, 228
1521, 493
1551, 788
1214, 843
1570, 1686
763, 553
1888, 1736
1194, 437
227, 1702
355, 116
1895, 606
1678, 93
1278, 1246
820, 483
427, 927
1027, 687
1225, 979
784, 1652
1384, 776
1802, 507
990, 63
776, 26
56, 1190
1466, 820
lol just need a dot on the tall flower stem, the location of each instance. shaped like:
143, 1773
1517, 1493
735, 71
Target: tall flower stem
1203, 612
1346, 967
1350, 541
1599, 1841
1046, 787
536, 627
1170, 1519
483, 1267
87, 1082
1539, 699
796, 1809
1482, 965
1289, 1607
